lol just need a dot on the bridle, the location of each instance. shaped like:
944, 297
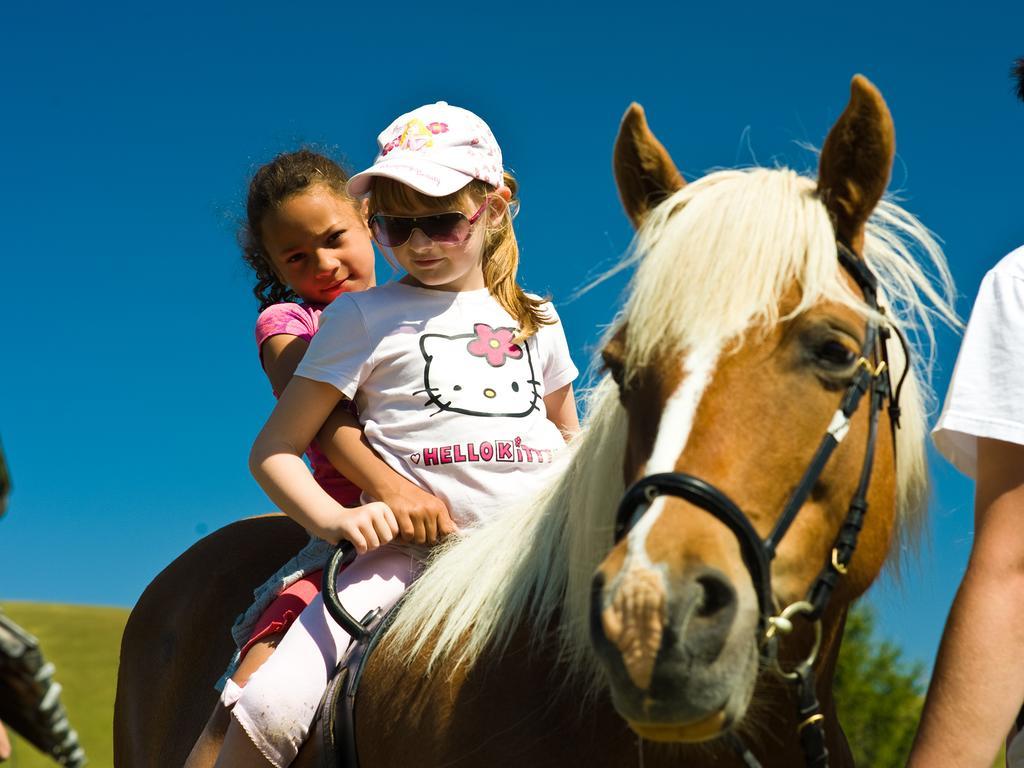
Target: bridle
871, 379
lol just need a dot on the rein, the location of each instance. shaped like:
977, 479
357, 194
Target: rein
871, 379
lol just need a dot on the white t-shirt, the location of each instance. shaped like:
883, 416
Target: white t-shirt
444, 396
986, 393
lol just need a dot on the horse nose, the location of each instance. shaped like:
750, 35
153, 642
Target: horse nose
655, 631
713, 609
719, 595
676, 643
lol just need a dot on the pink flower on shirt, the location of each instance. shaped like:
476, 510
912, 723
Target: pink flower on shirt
494, 344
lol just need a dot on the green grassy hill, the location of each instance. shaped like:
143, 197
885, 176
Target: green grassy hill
83, 643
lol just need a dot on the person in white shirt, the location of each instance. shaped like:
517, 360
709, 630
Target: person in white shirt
977, 688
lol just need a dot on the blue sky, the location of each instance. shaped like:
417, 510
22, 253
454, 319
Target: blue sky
130, 389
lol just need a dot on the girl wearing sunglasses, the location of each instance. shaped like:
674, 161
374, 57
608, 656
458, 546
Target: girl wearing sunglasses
462, 382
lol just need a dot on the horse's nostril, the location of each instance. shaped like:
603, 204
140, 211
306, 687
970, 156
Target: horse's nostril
718, 594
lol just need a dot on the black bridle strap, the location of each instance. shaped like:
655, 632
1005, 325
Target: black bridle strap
704, 495
812, 722
868, 283
894, 398
864, 379
861, 383
846, 540
860, 272
341, 558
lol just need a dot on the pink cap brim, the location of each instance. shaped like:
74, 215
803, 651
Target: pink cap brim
429, 178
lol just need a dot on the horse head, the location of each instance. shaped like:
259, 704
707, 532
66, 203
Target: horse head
750, 321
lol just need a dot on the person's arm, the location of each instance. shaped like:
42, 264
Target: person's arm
558, 372
276, 463
281, 355
561, 409
978, 684
421, 516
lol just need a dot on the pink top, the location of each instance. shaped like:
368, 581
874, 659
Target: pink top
303, 321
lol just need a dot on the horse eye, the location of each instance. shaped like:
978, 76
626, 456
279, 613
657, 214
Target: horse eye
836, 355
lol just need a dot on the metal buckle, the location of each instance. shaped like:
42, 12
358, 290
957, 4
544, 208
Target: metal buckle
781, 625
810, 721
873, 371
840, 567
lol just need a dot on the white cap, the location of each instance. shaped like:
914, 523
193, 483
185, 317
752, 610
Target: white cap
437, 150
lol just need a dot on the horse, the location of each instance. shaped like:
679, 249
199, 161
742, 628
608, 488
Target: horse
177, 640
547, 639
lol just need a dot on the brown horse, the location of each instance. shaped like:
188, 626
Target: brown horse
740, 337
177, 641
538, 639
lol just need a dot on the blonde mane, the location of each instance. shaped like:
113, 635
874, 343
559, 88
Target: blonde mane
734, 242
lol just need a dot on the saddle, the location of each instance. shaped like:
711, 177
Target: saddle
30, 699
337, 710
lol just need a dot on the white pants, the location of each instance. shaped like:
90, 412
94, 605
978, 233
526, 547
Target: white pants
277, 705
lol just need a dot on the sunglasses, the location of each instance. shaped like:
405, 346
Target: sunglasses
449, 228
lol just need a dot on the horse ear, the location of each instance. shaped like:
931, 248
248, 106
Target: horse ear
644, 171
856, 161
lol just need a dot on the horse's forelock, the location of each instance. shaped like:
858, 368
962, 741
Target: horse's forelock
716, 258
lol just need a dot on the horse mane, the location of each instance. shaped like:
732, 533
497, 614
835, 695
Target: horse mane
737, 239
1018, 75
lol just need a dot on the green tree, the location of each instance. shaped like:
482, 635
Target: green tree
878, 694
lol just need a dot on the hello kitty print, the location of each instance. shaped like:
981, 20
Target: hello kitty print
483, 373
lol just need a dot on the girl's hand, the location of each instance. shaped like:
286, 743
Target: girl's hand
422, 517
367, 527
